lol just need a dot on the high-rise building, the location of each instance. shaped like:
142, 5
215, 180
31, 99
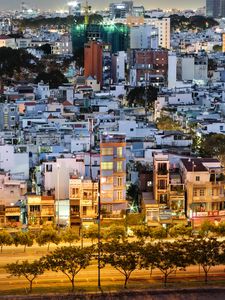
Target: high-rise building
215, 8
97, 61
113, 173
93, 60
117, 35
74, 8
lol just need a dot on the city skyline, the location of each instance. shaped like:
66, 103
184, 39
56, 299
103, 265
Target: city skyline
59, 4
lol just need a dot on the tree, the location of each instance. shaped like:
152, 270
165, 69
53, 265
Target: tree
5, 239
91, 233
115, 232
159, 233
170, 257
48, 236
213, 145
206, 228
69, 261
69, 236
143, 232
55, 78
142, 96
23, 238
167, 123
148, 256
124, 257
180, 230
220, 229
29, 270
206, 253
46, 48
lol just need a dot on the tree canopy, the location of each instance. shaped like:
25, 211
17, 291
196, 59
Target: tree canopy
68, 260
141, 95
55, 78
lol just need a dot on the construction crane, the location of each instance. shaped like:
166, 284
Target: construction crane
87, 10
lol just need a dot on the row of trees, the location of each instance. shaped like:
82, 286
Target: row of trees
126, 257
118, 232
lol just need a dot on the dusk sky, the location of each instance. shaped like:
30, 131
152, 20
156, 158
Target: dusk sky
15, 4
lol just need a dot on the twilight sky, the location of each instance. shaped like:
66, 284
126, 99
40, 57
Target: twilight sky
15, 4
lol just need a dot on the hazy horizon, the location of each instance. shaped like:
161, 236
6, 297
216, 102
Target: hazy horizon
97, 4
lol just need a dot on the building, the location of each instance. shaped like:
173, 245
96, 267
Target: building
63, 45
9, 116
119, 61
215, 8
144, 37
6, 41
74, 8
83, 200
117, 35
97, 61
146, 63
113, 173
205, 189
120, 10
41, 210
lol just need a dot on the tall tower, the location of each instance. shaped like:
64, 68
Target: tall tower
113, 173
93, 58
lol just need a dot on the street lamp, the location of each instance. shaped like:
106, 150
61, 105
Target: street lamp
58, 168
99, 235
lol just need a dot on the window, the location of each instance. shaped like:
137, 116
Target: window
197, 178
107, 180
107, 151
202, 192
119, 181
119, 195
119, 166
119, 152
84, 210
195, 192
75, 192
48, 168
106, 165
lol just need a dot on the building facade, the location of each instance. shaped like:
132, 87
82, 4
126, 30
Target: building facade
113, 173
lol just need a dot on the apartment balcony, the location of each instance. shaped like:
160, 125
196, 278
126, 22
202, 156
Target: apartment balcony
162, 172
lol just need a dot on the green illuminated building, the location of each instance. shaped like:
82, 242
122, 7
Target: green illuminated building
115, 34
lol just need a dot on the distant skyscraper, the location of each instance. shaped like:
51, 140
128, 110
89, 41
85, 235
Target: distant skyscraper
215, 8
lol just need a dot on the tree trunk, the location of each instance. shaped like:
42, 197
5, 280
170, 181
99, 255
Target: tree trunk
24, 249
48, 246
165, 279
31, 286
206, 277
73, 285
1, 248
125, 282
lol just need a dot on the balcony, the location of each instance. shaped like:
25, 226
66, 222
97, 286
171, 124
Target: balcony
163, 172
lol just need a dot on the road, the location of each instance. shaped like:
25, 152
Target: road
87, 279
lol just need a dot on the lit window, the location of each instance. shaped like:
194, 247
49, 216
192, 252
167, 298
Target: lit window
119, 166
119, 152
106, 165
119, 181
107, 151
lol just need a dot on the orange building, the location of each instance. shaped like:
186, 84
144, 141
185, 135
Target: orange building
93, 59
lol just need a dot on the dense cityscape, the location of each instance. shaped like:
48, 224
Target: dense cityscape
112, 151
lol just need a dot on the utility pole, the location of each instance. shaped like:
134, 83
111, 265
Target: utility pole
99, 234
